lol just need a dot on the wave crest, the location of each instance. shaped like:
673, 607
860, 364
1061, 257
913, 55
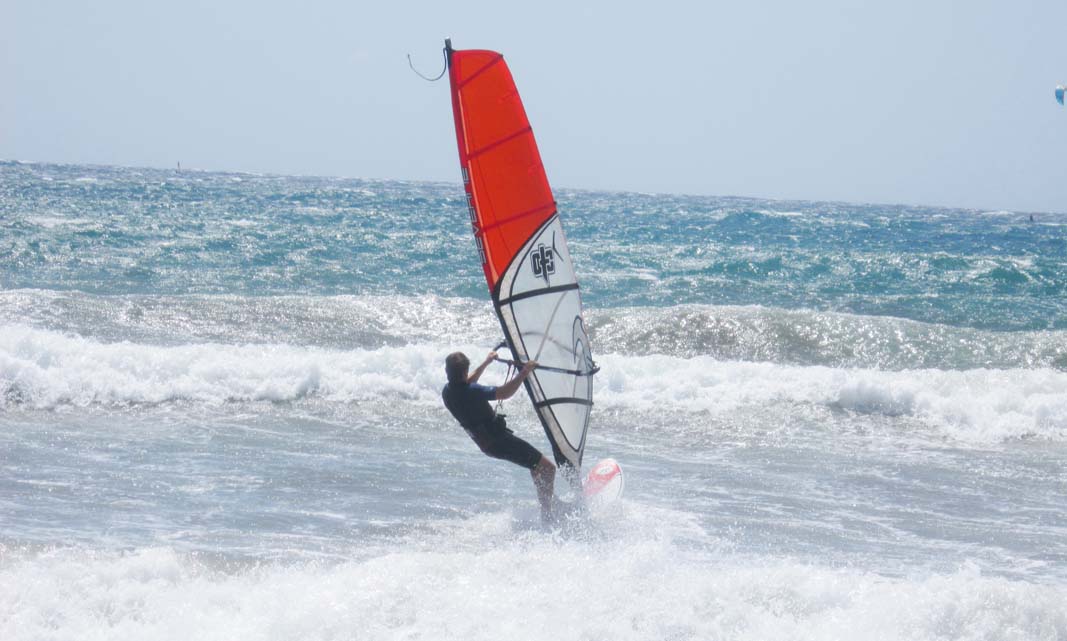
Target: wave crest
42, 369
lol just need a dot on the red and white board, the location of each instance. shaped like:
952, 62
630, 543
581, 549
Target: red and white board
603, 484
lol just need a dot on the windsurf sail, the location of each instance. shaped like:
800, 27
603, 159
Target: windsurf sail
520, 242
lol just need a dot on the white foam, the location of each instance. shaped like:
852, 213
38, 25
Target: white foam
980, 406
513, 587
45, 369
52, 222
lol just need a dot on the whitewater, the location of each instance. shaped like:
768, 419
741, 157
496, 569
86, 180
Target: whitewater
220, 417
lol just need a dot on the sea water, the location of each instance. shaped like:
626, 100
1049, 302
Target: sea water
220, 418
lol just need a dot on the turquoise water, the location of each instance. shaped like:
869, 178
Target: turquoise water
124, 231
219, 394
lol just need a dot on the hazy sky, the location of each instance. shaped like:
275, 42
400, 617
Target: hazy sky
924, 102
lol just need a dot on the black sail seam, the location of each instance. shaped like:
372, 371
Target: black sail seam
536, 292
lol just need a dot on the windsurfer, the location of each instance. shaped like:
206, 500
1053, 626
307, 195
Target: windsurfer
469, 401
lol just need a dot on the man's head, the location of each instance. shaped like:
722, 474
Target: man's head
456, 367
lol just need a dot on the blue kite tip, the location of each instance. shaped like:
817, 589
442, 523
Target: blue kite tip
1059, 94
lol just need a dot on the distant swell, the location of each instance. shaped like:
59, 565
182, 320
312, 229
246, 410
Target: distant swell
821, 338
748, 333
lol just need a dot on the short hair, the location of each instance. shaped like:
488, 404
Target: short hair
456, 367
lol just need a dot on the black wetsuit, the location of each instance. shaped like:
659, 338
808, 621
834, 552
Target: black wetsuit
469, 404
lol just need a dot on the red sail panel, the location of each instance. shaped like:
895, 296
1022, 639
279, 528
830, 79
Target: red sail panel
507, 190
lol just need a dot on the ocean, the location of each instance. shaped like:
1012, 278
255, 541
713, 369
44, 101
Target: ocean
220, 418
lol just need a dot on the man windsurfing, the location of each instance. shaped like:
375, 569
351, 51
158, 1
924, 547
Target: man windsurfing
469, 403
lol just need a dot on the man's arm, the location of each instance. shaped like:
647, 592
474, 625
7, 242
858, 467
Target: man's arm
473, 377
507, 390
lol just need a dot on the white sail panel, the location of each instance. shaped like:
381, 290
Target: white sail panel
540, 309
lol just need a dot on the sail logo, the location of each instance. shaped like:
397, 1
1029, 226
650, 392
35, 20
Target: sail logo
471, 211
543, 262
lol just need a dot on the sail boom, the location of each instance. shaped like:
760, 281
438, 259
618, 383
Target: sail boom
559, 401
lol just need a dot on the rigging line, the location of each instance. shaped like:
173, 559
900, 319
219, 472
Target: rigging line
507, 377
444, 52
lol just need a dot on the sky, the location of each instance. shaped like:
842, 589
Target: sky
914, 102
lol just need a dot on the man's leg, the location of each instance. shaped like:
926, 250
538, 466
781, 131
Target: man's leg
544, 479
509, 447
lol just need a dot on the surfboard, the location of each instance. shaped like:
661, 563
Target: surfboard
603, 484
523, 250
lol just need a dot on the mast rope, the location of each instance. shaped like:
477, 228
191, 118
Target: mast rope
444, 52
507, 378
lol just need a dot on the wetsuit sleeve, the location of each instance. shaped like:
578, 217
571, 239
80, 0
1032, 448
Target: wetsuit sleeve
483, 392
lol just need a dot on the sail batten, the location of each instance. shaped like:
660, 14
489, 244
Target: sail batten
531, 212
520, 241
474, 75
493, 145
538, 292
